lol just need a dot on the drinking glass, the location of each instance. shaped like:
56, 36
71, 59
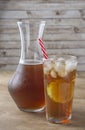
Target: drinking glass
59, 83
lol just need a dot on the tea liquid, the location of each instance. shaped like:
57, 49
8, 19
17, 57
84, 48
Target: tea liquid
59, 97
27, 87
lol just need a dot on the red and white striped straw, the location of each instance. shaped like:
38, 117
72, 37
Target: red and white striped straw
43, 48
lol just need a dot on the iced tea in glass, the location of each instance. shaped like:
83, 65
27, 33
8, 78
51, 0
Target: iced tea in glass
59, 82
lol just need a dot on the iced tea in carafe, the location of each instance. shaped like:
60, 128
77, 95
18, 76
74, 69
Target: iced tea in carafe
26, 86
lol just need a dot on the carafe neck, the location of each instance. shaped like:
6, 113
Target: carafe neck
29, 34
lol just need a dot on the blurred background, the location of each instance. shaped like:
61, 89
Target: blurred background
65, 32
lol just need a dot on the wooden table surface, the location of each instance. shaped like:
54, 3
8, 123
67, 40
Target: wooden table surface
11, 118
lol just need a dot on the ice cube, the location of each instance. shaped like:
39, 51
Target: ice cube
61, 69
70, 66
59, 63
53, 74
49, 65
62, 73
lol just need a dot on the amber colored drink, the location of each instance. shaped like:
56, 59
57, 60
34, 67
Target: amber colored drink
27, 88
59, 82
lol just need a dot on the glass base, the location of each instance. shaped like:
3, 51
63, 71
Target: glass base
33, 110
59, 120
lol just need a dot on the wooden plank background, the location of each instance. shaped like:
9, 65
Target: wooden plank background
65, 30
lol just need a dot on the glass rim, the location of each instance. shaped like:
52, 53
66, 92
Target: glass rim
70, 57
23, 21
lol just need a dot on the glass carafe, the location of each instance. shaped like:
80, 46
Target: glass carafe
26, 85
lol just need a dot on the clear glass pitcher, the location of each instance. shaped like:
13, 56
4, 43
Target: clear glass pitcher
26, 86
